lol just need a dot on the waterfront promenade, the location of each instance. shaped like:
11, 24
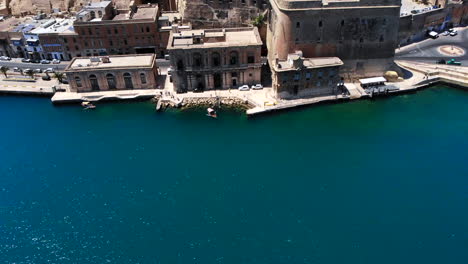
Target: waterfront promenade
419, 75
35, 87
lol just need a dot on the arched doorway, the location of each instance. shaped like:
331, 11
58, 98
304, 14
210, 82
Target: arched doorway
94, 82
128, 80
200, 83
111, 81
217, 80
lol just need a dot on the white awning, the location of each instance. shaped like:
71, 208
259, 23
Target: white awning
372, 80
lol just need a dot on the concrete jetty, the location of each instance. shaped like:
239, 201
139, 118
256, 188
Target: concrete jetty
74, 97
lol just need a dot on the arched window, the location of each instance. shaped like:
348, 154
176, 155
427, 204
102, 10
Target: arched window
93, 15
111, 81
128, 80
100, 13
197, 60
94, 82
78, 82
143, 78
215, 59
234, 58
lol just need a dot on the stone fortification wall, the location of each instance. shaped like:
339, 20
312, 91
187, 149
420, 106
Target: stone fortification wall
206, 14
415, 27
356, 33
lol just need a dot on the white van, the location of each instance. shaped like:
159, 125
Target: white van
433, 34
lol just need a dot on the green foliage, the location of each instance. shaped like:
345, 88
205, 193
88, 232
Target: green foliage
4, 70
30, 74
258, 21
59, 76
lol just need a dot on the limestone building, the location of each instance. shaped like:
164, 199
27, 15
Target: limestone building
102, 30
215, 58
306, 77
106, 73
362, 33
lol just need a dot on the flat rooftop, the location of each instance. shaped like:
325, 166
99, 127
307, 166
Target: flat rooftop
335, 4
146, 12
213, 38
115, 62
309, 63
60, 26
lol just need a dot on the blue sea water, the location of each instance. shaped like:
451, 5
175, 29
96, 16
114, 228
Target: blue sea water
371, 181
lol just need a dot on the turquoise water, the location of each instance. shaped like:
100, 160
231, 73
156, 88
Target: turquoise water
382, 181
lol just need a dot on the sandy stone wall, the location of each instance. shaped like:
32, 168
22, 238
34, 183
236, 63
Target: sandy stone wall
19, 7
212, 14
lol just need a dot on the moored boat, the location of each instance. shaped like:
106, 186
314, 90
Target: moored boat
211, 113
87, 105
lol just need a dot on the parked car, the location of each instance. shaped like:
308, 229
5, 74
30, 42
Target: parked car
441, 61
45, 61
49, 70
27, 71
244, 88
452, 30
46, 78
37, 71
25, 60
169, 71
257, 87
433, 34
453, 33
16, 69
65, 81
5, 58
446, 33
453, 62
55, 61
36, 61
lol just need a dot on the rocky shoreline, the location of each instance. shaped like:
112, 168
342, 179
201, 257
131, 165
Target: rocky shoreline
197, 102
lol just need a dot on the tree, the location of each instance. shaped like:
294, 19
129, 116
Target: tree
4, 70
59, 76
30, 73
258, 21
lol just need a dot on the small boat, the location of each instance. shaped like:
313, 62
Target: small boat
87, 105
211, 113
159, 105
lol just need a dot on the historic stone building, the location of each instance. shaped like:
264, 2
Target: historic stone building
215, 58
107, 73
362, 33
220, 13
306, 77
123, 32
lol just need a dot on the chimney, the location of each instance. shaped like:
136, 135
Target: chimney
175, 29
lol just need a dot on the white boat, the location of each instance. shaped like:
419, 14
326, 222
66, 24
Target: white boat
211, 112
87, 105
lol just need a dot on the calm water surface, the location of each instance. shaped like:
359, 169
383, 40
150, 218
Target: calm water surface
382, 181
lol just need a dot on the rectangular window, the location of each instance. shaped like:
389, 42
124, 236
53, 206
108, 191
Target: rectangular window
308, 75
297, 77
